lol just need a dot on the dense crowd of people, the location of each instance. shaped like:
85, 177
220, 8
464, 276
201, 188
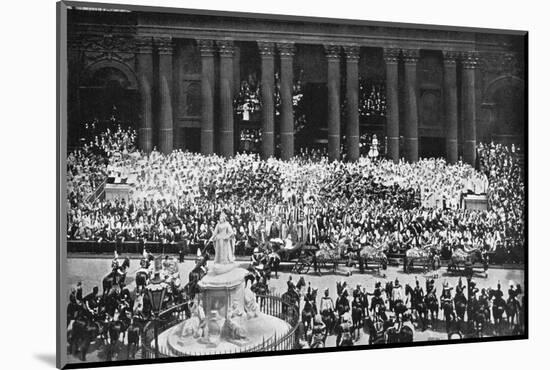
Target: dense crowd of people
372, 99
176, 197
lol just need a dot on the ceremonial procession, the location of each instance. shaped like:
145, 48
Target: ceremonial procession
228, 195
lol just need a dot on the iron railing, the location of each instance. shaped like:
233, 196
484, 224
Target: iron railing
272, 305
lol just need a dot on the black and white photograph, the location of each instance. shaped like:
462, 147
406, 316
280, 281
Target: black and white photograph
236, 184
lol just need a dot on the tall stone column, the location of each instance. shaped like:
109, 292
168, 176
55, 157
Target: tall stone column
469, 63
227, 139
207, 50
352, 99
286, 53
145, 75
332, 53
268, 78
410, 58
391, 59
451, 107
166, 126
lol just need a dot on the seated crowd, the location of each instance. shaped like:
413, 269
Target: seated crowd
176, 198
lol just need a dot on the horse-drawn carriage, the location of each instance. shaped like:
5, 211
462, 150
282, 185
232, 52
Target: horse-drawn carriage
279, 250
468, 262
426, 259
370, 257
306, 259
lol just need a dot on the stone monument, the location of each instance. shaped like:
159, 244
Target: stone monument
225, 315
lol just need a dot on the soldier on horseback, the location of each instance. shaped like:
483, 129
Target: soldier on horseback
326, 307
319, 332
513, 293
118, 269
498, 294
342, 304
398, 296
91, 301
377, 296
483, 303
344, 337
447, 305
256, 258
418, 294
430, 287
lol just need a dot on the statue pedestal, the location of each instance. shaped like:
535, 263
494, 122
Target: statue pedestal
224, 298
223, 287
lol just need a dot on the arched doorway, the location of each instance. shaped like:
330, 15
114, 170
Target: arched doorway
505, 100
108, 95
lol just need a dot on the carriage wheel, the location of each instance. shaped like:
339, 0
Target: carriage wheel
301, 266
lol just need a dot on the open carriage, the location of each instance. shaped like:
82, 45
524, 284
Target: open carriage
306, 259
370, 257
468, 262
287, 250
426, 259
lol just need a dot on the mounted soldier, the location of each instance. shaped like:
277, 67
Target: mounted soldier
398, 298
345, 329
326, 308
418, 294
319, 333
377, 297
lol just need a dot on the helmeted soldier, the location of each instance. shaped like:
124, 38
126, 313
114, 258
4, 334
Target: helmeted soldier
418, 294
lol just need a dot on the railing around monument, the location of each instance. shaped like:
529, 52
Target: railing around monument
167, 318
272, 305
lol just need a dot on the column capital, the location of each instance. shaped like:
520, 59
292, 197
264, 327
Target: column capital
469, 59
286, 49
332, 51
391, 55
144, 44
410, 56
207, 48
266, 48
164, 45
352, 52
450, 57
226, 48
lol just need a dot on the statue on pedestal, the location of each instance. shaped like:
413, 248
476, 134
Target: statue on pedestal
224, 245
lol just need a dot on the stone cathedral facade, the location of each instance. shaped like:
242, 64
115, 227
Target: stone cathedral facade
176, 79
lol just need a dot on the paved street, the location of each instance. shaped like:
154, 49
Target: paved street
91, 270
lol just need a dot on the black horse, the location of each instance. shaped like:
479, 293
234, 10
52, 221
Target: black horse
117, 276
292, 297
448, 313
310, 308
272, 264
134, 334
84, 331
461, 304
418, 306
401, 334
376, 325
432, 305
499, 308
512, 312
